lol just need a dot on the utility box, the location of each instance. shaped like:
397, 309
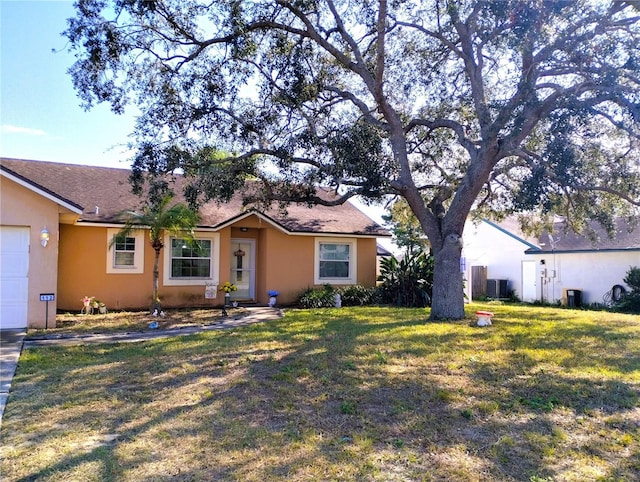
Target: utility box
572, 298
497, 288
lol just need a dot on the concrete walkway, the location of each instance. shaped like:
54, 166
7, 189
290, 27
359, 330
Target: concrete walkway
12, 342
253, 315
10, 349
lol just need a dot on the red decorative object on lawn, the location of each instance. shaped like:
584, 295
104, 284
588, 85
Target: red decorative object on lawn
484, 318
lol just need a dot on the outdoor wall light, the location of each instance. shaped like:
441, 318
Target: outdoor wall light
44, 237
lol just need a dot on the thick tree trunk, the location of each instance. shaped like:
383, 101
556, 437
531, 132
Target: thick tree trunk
448, 290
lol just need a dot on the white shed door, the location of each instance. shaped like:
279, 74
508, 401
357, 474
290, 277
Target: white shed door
14, 281
529, 273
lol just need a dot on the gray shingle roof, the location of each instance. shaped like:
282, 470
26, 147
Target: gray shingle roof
566, 240
108, 190
563, 240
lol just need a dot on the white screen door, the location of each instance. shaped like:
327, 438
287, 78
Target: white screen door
242, 268
529, 292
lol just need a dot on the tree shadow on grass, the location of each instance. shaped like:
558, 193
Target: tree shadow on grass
341, 399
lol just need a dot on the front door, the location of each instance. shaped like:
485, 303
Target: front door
243, 268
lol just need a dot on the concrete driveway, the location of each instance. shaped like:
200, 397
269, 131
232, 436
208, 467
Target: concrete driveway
10, 347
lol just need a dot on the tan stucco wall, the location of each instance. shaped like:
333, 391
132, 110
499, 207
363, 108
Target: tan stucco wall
22, 207
367, 261
287, 264
83, 258
283, 262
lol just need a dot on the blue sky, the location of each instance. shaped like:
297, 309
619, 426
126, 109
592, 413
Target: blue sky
40, 114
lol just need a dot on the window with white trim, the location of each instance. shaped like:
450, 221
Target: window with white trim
191, 263
125, 254
124, 251
335, 261
190, 259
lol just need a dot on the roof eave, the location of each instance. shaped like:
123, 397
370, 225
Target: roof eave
286, 230
512, 235
572, 251
40, 190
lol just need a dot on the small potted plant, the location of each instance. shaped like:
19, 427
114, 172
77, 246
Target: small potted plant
228, 287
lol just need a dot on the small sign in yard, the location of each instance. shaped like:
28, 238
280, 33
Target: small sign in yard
210, 291
47, 297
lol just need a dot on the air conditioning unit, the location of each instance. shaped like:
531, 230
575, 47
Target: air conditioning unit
497, 288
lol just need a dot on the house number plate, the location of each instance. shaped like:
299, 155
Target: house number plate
47, 297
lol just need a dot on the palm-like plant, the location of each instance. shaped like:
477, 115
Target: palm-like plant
409, 281
178, 219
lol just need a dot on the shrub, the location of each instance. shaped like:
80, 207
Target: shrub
357, 295
408, 282
633, 279
317, 298
354, 295
630, 300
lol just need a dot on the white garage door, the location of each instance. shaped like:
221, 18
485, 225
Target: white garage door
14, 281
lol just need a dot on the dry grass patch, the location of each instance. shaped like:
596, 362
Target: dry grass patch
133, 321
366, 394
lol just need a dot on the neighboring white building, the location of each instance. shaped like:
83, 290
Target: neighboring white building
500, 250
561, 266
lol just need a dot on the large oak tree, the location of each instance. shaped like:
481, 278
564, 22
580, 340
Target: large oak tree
453, 105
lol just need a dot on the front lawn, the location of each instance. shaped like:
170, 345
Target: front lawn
132, 321
352, 394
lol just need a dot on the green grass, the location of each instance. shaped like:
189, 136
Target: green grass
366, 394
